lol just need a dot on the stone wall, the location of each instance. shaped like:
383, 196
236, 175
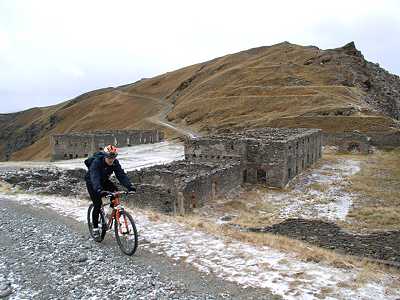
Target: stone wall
192, 184
154, 197
214, 149
270, 156
220, 182
74, 145
349, 141
302, 152
265, 163
385, 139
362, 142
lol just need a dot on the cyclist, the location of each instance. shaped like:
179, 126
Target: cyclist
100, 168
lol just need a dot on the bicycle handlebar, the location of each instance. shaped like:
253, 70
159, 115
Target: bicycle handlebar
118, 193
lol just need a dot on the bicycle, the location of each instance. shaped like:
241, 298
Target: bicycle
124, 226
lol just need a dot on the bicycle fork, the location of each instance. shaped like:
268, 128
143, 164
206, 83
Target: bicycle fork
121, 230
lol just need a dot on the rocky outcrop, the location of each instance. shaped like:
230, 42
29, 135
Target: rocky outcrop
382, 89
15, 138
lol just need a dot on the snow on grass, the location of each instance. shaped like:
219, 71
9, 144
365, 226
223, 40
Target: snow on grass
131, 158
239, 262
66, 206
319, 194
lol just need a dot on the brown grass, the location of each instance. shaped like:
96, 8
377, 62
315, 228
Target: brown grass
247, 89
302, 251
111, 110
320, 187
235, 205
377, 189
5, 187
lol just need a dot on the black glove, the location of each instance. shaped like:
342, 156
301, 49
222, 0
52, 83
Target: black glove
105, 193
131, 189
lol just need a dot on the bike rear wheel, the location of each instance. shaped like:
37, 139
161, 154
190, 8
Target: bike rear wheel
102, 224
126, 233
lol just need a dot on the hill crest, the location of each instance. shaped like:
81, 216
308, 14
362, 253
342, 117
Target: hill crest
264, 86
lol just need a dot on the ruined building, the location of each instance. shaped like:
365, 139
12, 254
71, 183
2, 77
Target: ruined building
352, 141
216, 166
272, 155
182, 186
74, 145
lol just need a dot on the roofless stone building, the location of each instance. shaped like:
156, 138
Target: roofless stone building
272, 156
81, 144
216, 166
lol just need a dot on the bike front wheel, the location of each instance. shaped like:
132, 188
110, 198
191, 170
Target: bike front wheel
101, 224
126, 233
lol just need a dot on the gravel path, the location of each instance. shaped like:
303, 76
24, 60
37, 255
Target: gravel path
47, 256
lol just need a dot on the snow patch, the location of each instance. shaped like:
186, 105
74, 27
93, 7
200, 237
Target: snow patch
329, 202
131, 158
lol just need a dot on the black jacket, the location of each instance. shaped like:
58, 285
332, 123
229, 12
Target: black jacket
100, 171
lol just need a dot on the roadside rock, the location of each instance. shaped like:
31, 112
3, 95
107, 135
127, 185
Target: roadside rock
47, 181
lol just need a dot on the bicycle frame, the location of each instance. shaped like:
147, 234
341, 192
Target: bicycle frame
117, 208
124, 227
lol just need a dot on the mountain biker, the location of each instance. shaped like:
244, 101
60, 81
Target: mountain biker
100, 168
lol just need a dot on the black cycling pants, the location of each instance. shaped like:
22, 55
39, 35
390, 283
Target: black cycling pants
106, 186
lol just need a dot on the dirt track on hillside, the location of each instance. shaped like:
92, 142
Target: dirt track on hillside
161, 118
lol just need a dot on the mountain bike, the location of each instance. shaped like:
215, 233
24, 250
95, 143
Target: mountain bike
124, 226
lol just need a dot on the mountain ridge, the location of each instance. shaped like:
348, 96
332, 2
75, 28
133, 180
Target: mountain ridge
279, 85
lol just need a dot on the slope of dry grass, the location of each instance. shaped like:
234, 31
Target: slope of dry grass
107, 111
265, 86
377, 193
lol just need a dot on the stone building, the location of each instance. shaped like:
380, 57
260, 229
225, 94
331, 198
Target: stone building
272, 156
352, 141
363, 142
78, 144
216, 166
182, 186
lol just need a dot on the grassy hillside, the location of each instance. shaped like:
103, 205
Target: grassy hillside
280, 85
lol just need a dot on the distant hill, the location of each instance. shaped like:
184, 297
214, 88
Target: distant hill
280, 85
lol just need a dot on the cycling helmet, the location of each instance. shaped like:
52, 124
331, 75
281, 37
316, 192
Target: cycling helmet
110, 151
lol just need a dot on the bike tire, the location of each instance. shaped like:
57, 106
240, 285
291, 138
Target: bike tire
132, 235
102, 223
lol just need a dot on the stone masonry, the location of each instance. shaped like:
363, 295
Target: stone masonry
272, 156
74, 145
188, 184
216, 166
353, 141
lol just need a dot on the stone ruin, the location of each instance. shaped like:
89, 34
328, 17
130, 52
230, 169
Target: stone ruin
359, 142
351, 141
80, 144
185, 185
272, 156
216, 166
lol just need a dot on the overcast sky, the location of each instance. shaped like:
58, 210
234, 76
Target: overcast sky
52, 51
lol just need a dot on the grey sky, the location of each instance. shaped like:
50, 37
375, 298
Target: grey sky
51, 51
